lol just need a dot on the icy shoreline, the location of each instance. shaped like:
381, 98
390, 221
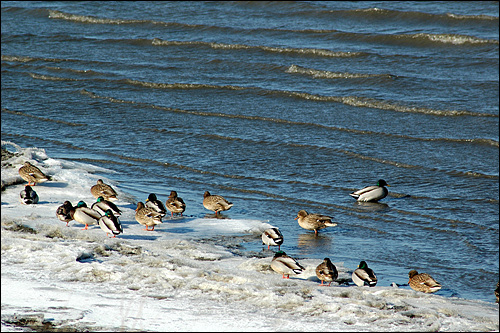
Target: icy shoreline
186, 276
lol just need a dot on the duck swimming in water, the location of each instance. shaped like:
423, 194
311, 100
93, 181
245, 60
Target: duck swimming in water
314, 221
371, 193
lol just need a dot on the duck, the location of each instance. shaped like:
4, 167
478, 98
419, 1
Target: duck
28, 196
364, 275
109, 223
32, 174
175, 204
102, 205
286, 265
215, 202
147, 216
103, 190
272, 236
314, 221
157, 205
63, 212
371, 193
84, 215
326, 271
422, 282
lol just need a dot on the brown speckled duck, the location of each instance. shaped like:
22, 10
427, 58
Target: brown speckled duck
103, 190
147, 216
175, 204
422, 282
215, 203
32, 174
63, 212
326, 271
314, 221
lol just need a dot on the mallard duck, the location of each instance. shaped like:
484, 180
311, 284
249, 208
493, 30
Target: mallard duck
175, 204
63, 212
157, 205
285, 265
28, 196
102, 205
314, 221
103, 190
147, 216
84, 215
32, 174
422, 282
326, 271
272, 236
215, 202
364, 275
371, 193
109, 223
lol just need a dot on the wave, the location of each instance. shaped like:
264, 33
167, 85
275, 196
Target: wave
300, 51
441, 38
12, 58
391, 14
355, 101
181, 85
60, 15
323, 74
158, 42
445, 38
277, 120
19, 113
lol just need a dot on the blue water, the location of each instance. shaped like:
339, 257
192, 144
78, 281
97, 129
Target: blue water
281, 106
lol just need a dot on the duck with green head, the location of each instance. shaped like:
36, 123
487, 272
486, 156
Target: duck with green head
84, 215
371, 193
363, 275
109, 223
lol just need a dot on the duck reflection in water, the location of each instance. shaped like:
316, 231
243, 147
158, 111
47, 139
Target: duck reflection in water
371, 206
310, 243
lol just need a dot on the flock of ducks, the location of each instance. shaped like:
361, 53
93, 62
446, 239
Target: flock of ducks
105, 214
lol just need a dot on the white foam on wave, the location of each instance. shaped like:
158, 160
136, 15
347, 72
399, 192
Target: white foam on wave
187, 275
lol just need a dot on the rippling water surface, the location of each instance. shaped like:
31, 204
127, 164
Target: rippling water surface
281, 106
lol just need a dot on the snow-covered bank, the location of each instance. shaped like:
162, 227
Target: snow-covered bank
188, 275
